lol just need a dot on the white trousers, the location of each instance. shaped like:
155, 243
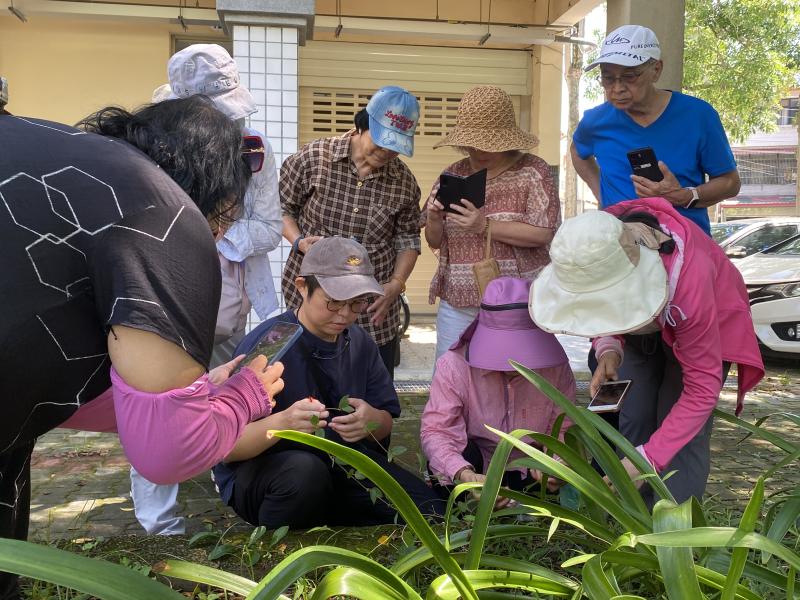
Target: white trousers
450, 324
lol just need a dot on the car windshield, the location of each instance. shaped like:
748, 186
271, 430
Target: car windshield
790, 247
722, 231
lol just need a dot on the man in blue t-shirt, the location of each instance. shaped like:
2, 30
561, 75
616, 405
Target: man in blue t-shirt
685, 133
274, 482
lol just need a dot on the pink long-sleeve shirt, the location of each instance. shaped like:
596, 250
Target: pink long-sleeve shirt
175, 435
706, 321
465, 399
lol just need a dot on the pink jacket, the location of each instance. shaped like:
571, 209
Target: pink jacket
706, 321
465, 399
175, 435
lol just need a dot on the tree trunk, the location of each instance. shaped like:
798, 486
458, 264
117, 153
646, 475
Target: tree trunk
573, 76
797, 166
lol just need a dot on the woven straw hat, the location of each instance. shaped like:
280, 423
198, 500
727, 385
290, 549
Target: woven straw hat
485, 121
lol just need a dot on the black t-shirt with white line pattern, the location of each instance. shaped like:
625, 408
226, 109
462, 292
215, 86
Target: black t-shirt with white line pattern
94, 234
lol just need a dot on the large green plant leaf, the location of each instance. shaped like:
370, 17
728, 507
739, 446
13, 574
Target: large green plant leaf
720, 537
747, 524
645, 563
397, 496
600, 493
720, 561
300, 563
442, 587
207, 575
785, 518
597, 582
354, 583
592, 426
760, 432
677, 564
91, 576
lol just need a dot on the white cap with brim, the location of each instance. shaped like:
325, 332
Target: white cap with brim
393, 117
600, 281
208, 69
628, 46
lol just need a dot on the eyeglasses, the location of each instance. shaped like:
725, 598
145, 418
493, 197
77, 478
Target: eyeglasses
357, 306
253, 152
626, 79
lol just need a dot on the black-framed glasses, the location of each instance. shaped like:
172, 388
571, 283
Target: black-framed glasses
628, 78
357, 305
253, 152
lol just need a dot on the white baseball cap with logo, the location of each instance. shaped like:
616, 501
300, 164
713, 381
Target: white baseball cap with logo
629, 46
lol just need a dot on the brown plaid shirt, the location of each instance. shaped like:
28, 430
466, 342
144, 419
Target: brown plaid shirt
321, 190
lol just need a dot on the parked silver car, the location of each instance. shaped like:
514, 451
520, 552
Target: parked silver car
772, 278
745, 237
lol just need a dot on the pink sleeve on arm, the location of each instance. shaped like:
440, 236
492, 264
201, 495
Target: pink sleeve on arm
175, 435
609, 343
443, 430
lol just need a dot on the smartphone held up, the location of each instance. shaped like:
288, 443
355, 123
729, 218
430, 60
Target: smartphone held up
644, 163
610, 396
275, 342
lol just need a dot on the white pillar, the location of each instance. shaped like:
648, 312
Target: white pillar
267, 58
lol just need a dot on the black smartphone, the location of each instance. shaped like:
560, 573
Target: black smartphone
275, 342
645, 164
610, 396
452, 188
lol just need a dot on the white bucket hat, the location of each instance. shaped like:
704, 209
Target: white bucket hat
600, 280
208, 69
629, 46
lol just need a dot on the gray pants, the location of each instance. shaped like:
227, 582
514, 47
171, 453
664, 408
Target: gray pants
657, 385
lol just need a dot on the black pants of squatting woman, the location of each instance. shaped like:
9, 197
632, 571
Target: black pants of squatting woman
15, 505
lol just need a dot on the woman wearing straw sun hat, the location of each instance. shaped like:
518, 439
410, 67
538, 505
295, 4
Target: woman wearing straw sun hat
516, 223
643, 277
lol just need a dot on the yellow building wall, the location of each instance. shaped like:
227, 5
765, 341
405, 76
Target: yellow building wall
63, 69
547, 80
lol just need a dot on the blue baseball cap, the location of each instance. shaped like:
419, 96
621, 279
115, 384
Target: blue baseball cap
393, 117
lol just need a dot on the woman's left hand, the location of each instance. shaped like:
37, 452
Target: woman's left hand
220, 374
467, 217
631, 470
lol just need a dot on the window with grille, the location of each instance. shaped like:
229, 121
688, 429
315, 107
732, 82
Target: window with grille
764, 168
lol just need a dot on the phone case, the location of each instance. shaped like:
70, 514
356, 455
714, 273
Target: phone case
261, 347
644, 163
452, 188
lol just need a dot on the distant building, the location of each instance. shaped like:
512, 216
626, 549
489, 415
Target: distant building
768, 168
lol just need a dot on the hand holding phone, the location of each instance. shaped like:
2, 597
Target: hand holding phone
644, 163
610, 396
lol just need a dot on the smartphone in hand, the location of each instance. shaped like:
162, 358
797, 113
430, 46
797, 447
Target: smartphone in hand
452, 188
610, 396
275, 342
645, 164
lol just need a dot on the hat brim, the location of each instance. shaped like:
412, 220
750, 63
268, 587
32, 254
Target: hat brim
534, 348
620, 308
617, 59
345, 287
489, 140
236, 103
391, 139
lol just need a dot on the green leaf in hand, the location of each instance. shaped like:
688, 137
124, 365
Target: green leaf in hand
344, 404
371, 426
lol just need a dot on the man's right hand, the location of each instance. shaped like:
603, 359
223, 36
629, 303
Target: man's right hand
306, 243
299, 415
607, 366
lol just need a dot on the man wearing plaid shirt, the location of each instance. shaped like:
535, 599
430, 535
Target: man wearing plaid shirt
355, 186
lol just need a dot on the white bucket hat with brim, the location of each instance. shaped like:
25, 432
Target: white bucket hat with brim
486, 121
208, 69
600, 281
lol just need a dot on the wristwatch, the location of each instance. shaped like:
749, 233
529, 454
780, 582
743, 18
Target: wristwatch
296, 244
695, 197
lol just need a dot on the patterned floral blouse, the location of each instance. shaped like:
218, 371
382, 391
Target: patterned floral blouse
525, 193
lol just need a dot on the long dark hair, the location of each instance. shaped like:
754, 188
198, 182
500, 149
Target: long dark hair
194, 143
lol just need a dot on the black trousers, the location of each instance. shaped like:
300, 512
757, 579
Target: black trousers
15, 505
302, 489
388, 352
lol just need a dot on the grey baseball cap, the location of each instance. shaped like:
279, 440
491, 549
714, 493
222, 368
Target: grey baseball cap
342, 267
